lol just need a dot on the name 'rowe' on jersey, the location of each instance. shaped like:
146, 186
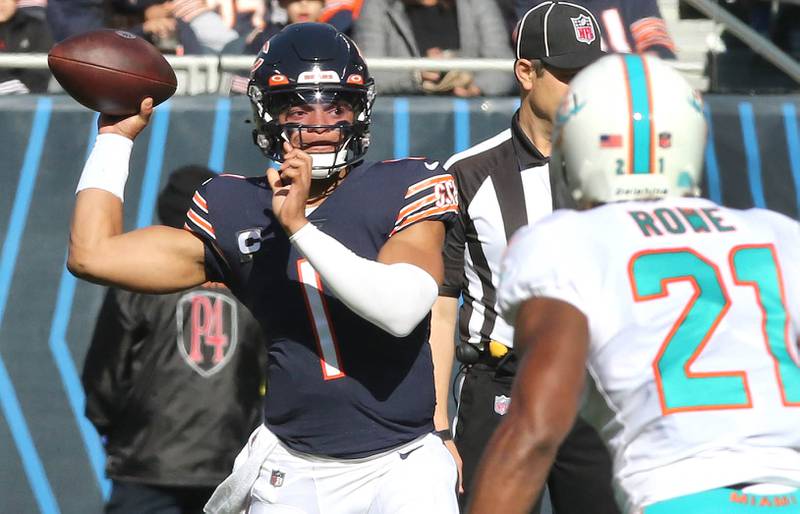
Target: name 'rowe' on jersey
338, 385
693, 314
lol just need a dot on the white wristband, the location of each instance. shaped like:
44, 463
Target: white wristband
107, 165
395, 297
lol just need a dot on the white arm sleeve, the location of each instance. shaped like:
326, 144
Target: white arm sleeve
395, 297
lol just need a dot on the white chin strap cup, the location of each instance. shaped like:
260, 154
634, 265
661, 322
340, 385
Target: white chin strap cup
323, 165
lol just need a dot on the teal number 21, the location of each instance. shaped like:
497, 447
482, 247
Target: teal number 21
755, 266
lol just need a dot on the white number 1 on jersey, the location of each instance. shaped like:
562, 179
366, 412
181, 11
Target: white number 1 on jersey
327, 347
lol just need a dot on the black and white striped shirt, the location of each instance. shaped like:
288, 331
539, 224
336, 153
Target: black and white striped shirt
503, 183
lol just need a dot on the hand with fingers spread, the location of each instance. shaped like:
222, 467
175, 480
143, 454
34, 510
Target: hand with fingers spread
127, 126
290, 186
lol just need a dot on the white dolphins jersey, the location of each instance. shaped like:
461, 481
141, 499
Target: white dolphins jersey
693, 313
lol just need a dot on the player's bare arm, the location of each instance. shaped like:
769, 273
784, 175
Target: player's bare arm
154, 259
442, 340
552, 338
419, 245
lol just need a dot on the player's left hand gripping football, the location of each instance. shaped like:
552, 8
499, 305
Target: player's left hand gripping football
127, 126
290, 186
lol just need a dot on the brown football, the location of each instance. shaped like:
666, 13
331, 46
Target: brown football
111, 71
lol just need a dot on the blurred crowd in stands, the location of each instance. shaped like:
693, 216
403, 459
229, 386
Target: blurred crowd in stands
382, 28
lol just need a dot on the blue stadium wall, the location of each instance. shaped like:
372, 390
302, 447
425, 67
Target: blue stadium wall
51, 459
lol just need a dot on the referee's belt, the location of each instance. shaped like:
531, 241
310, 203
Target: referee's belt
499, 357
493, 353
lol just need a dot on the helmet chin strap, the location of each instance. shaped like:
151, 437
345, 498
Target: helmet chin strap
323, 165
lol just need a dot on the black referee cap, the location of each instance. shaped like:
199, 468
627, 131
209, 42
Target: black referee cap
561, 34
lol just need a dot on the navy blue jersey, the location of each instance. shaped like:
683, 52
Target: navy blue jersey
338, 385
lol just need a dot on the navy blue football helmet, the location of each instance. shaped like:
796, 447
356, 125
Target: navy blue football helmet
308, 63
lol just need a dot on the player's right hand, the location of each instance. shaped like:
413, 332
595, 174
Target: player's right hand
290, 188
127, 126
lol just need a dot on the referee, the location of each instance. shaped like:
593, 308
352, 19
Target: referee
505, 183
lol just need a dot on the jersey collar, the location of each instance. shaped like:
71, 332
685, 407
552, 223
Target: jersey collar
528, 156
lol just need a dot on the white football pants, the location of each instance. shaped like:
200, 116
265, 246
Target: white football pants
416, 478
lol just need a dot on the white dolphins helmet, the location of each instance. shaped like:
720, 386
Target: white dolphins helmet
630, 128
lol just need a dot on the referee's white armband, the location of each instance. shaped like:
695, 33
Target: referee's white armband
107, 165
395, 297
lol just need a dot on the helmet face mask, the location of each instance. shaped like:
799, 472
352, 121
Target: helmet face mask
311, 64
630, 128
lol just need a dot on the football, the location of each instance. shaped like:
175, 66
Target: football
111, 71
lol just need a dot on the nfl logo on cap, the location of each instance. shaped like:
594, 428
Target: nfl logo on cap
584, 29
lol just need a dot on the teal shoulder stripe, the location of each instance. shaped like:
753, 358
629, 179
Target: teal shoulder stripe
640, 107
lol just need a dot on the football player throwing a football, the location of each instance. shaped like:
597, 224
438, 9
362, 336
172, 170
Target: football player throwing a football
338, 259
